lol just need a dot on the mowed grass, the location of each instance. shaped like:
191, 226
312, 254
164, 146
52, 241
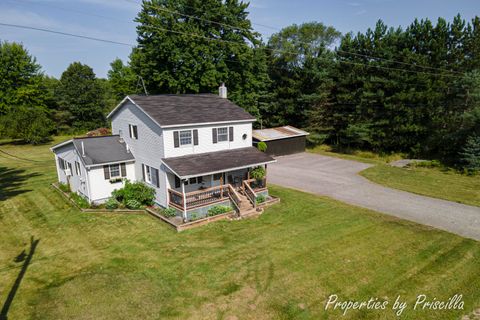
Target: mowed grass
432, 182
282, 265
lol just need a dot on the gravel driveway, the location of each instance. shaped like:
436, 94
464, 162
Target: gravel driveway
339, 179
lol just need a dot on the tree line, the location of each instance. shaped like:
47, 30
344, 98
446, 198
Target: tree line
414, 90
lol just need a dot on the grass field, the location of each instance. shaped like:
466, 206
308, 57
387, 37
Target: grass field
432, 182
282, 265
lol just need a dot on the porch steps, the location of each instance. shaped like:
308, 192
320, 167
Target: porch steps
246, 207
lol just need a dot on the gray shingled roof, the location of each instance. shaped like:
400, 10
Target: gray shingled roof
219, 161
99, 150
176, 109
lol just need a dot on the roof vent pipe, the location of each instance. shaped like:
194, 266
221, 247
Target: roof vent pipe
222, 91
83, 150
128, 148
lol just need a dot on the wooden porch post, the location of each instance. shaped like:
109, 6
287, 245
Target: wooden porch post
221, 186
265, 176
184, 201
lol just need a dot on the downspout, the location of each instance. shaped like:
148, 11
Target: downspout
87, 178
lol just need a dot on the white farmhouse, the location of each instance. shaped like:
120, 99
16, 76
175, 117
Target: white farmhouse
195, 150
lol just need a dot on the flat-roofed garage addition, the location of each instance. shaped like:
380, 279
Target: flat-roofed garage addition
282, 140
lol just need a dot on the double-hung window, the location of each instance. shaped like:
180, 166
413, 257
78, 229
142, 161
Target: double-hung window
133, 131
222, 134
114, 170
151, 175
185, 137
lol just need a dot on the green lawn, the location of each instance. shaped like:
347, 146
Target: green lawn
282, 265
432, 182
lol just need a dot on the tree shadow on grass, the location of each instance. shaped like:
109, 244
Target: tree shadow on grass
12, 182
26, 258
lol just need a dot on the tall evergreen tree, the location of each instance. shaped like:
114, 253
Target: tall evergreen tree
299, 66
176, 53
80, 97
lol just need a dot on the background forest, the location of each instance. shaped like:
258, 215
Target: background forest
414, 90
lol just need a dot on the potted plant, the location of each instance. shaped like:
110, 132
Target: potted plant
258, 174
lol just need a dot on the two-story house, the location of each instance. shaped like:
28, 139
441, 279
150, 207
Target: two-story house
195, 150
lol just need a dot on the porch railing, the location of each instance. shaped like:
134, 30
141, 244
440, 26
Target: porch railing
203, 197
234, 196
250, 193
257, 185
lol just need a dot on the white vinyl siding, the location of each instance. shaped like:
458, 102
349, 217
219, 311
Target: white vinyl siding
205, 143
148, 149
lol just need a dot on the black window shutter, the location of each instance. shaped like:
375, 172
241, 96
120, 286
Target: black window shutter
177, 182
135, 132
157, 181
123, 169
195, 137
143, 171
214, 135
106, 172
230, 133
176, 140
130, 130
60, 164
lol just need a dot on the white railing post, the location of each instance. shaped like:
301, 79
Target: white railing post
184, 201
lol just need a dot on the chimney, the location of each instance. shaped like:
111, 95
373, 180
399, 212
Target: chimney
222, 91
128, 148
83, 150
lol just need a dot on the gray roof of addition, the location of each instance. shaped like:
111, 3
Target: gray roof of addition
100, 150
181, 109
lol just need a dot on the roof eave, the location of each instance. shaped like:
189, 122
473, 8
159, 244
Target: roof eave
217, 171
205, 123
61, 144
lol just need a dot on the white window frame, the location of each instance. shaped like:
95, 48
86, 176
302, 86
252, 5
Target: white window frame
132, 133
148, 172
119, 172
222, 134
78, 170
190, 132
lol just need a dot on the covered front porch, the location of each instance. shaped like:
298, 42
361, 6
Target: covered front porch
194, 187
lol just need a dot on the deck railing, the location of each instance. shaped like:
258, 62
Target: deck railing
202, 197
234, 196
250, 193
257, 185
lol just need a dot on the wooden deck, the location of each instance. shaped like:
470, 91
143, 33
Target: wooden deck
200, 198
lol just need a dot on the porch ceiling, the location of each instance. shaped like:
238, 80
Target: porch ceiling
214, 162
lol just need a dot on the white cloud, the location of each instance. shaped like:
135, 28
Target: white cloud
127, 5
258, 4
360, 12
13, 16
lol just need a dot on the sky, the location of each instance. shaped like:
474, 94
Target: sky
113, 20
